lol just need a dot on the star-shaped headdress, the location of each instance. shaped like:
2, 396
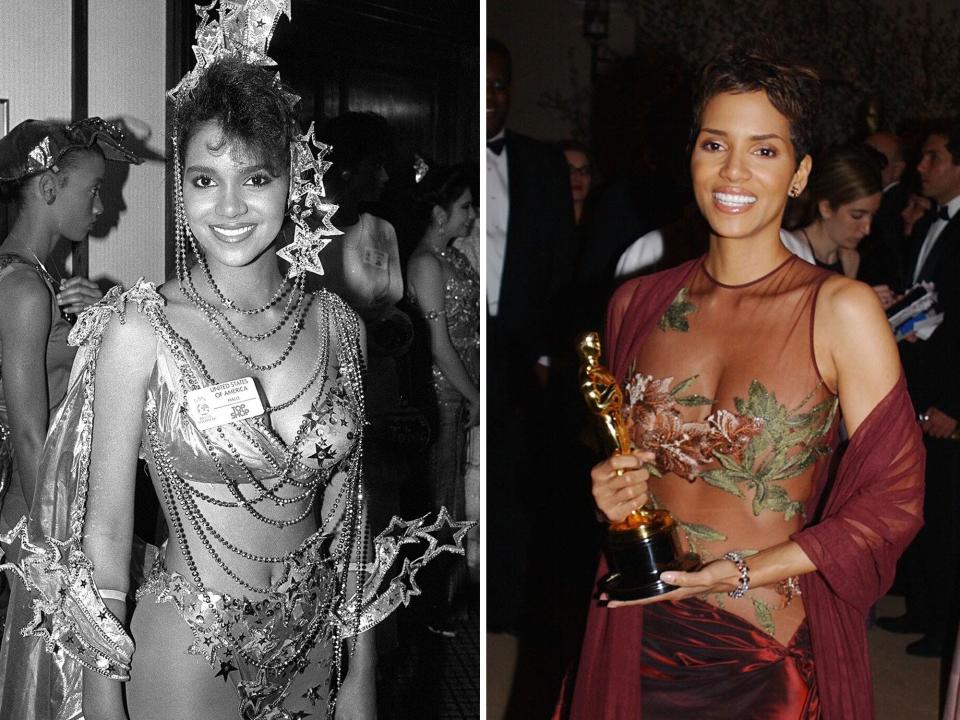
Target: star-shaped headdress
244, 29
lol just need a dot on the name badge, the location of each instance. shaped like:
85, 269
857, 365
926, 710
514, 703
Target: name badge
227, 402
377, 258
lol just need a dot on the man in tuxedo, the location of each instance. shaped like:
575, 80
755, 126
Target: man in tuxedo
530, 257
932, 367
882, 251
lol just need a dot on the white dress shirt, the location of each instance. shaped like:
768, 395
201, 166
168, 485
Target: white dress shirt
648, 251
498, 214
932, 234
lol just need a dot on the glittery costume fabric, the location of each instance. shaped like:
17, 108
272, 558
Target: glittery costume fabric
461, 313
319, 595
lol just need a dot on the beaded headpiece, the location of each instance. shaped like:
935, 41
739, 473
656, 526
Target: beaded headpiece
244, 30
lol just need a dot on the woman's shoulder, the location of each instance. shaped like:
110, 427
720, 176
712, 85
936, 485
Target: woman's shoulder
132, 312
849, 308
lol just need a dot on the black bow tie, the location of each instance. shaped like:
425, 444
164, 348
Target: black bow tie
944, 213
496, 146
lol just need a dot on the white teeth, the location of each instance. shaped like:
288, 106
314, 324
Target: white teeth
729, 199
232, 232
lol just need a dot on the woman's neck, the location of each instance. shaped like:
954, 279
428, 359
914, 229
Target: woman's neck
433, 240
30, 238
577, 211
249, 286
824, 249
736, 261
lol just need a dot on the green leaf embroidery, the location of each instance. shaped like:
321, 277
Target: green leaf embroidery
697, 534
675, 317
789, 443
764, 617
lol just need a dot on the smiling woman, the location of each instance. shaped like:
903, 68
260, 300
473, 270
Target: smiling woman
244, 394
761, 339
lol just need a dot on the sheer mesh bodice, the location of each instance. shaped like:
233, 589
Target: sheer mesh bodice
734, 365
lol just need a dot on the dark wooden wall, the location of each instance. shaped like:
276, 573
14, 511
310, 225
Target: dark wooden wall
416, 62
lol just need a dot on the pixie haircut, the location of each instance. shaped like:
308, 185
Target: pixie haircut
794, 90
250, 106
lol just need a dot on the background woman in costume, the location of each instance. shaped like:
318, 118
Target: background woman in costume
51, 174
834, 212
758, 383
56, 197
445, 289
264, 513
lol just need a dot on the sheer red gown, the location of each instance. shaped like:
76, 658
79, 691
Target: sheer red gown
738, 362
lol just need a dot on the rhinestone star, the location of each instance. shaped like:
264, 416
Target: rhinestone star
405, 582
313, 694
225, 669
444, 535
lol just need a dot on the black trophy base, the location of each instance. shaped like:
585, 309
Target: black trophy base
624, 586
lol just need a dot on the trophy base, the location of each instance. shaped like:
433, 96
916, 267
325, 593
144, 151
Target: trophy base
618, 586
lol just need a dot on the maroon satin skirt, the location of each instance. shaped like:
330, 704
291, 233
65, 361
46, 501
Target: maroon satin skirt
702, 662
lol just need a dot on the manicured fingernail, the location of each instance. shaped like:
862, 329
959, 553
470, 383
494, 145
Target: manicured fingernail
668, 577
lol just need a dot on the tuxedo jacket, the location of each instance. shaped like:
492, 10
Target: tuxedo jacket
933, 366
540, 252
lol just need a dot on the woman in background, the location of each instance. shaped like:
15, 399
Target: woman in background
52, 175
56, 195
841, 198
445, 288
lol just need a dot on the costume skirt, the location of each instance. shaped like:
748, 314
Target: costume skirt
703, 662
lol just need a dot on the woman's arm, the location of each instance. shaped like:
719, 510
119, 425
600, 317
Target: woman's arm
425, 277
24, 330
857, 356
126, 360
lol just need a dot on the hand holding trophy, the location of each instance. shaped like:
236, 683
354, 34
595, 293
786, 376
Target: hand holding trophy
646, 543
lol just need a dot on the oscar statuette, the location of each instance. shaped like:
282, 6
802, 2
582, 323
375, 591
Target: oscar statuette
647, 542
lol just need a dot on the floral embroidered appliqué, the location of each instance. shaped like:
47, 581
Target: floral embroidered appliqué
675, 317
655, 423
788, 443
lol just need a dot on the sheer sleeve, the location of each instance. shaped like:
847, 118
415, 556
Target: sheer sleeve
870, 515
875, 507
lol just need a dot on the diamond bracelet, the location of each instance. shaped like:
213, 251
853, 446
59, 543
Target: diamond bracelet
744, 584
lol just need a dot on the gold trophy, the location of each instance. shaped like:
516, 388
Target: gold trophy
646, 543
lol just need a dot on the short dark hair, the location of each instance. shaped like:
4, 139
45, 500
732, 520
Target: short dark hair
251, 107
14, 191
356, 135
950, 129
794, 90
496, 47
